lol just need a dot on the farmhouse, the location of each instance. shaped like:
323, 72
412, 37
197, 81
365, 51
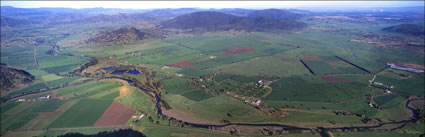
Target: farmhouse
393, 66
260, 83
378, 83
382, 85
141, 116
44, 97
256, 102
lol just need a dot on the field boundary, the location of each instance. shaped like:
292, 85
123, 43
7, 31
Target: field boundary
346, 61
306, 66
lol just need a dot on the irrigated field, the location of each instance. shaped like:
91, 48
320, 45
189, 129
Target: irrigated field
83, 114
313, 77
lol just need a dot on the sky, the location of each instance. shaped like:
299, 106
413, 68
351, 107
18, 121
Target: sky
211, 4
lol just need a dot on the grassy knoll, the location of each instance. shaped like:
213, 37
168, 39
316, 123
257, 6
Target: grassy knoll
22, 56
297, 89
138, 101
174, 131
84, 113
197, 95
48, 106
42, 121
219, 108
193, 72
270, 65
411, 130
315, 118
320, 67
410, 86
160, 55
244, 89
177, 85
25, 133
17, 117
7, 106
50, 77
59, 82
58, 132
111, 96
90, 89
34, 87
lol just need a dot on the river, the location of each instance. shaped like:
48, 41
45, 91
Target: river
289, 127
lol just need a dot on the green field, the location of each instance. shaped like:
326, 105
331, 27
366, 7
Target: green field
177, 86
309, 76
83, 114
196, 95
48, 106
296, 89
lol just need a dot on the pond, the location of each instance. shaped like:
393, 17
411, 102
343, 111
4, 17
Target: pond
108, 68
84, 58
134, 72
116, 72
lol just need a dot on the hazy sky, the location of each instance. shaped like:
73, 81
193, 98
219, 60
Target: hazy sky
210, 4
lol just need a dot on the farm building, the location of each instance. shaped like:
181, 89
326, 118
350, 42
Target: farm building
393, 66
44, 97
256, 102
260, 83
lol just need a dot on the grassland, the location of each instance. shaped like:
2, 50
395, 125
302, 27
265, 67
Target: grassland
197, 95
294, 89
175, 85
83, 114
294, 96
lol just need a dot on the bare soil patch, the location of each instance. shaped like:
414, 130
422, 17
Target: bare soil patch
333, 79
310, 58
124, 91
237, 50
116, 114
181, 64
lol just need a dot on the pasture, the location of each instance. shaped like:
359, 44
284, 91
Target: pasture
197, 95
83, 114
176, 85
298, 89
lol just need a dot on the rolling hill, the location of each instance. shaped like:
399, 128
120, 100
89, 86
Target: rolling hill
216, 21
11, 78
408, 29
275, 14
109, 37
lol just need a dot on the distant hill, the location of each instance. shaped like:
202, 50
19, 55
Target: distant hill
101, 18
408, 29
11, 78
11, 22
275, 14
216, 21
235, 11
166, 14
109, 37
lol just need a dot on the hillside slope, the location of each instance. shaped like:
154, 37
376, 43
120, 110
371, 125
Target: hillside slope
11, 78
215, 21
275, 14
109, 37
408, 29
